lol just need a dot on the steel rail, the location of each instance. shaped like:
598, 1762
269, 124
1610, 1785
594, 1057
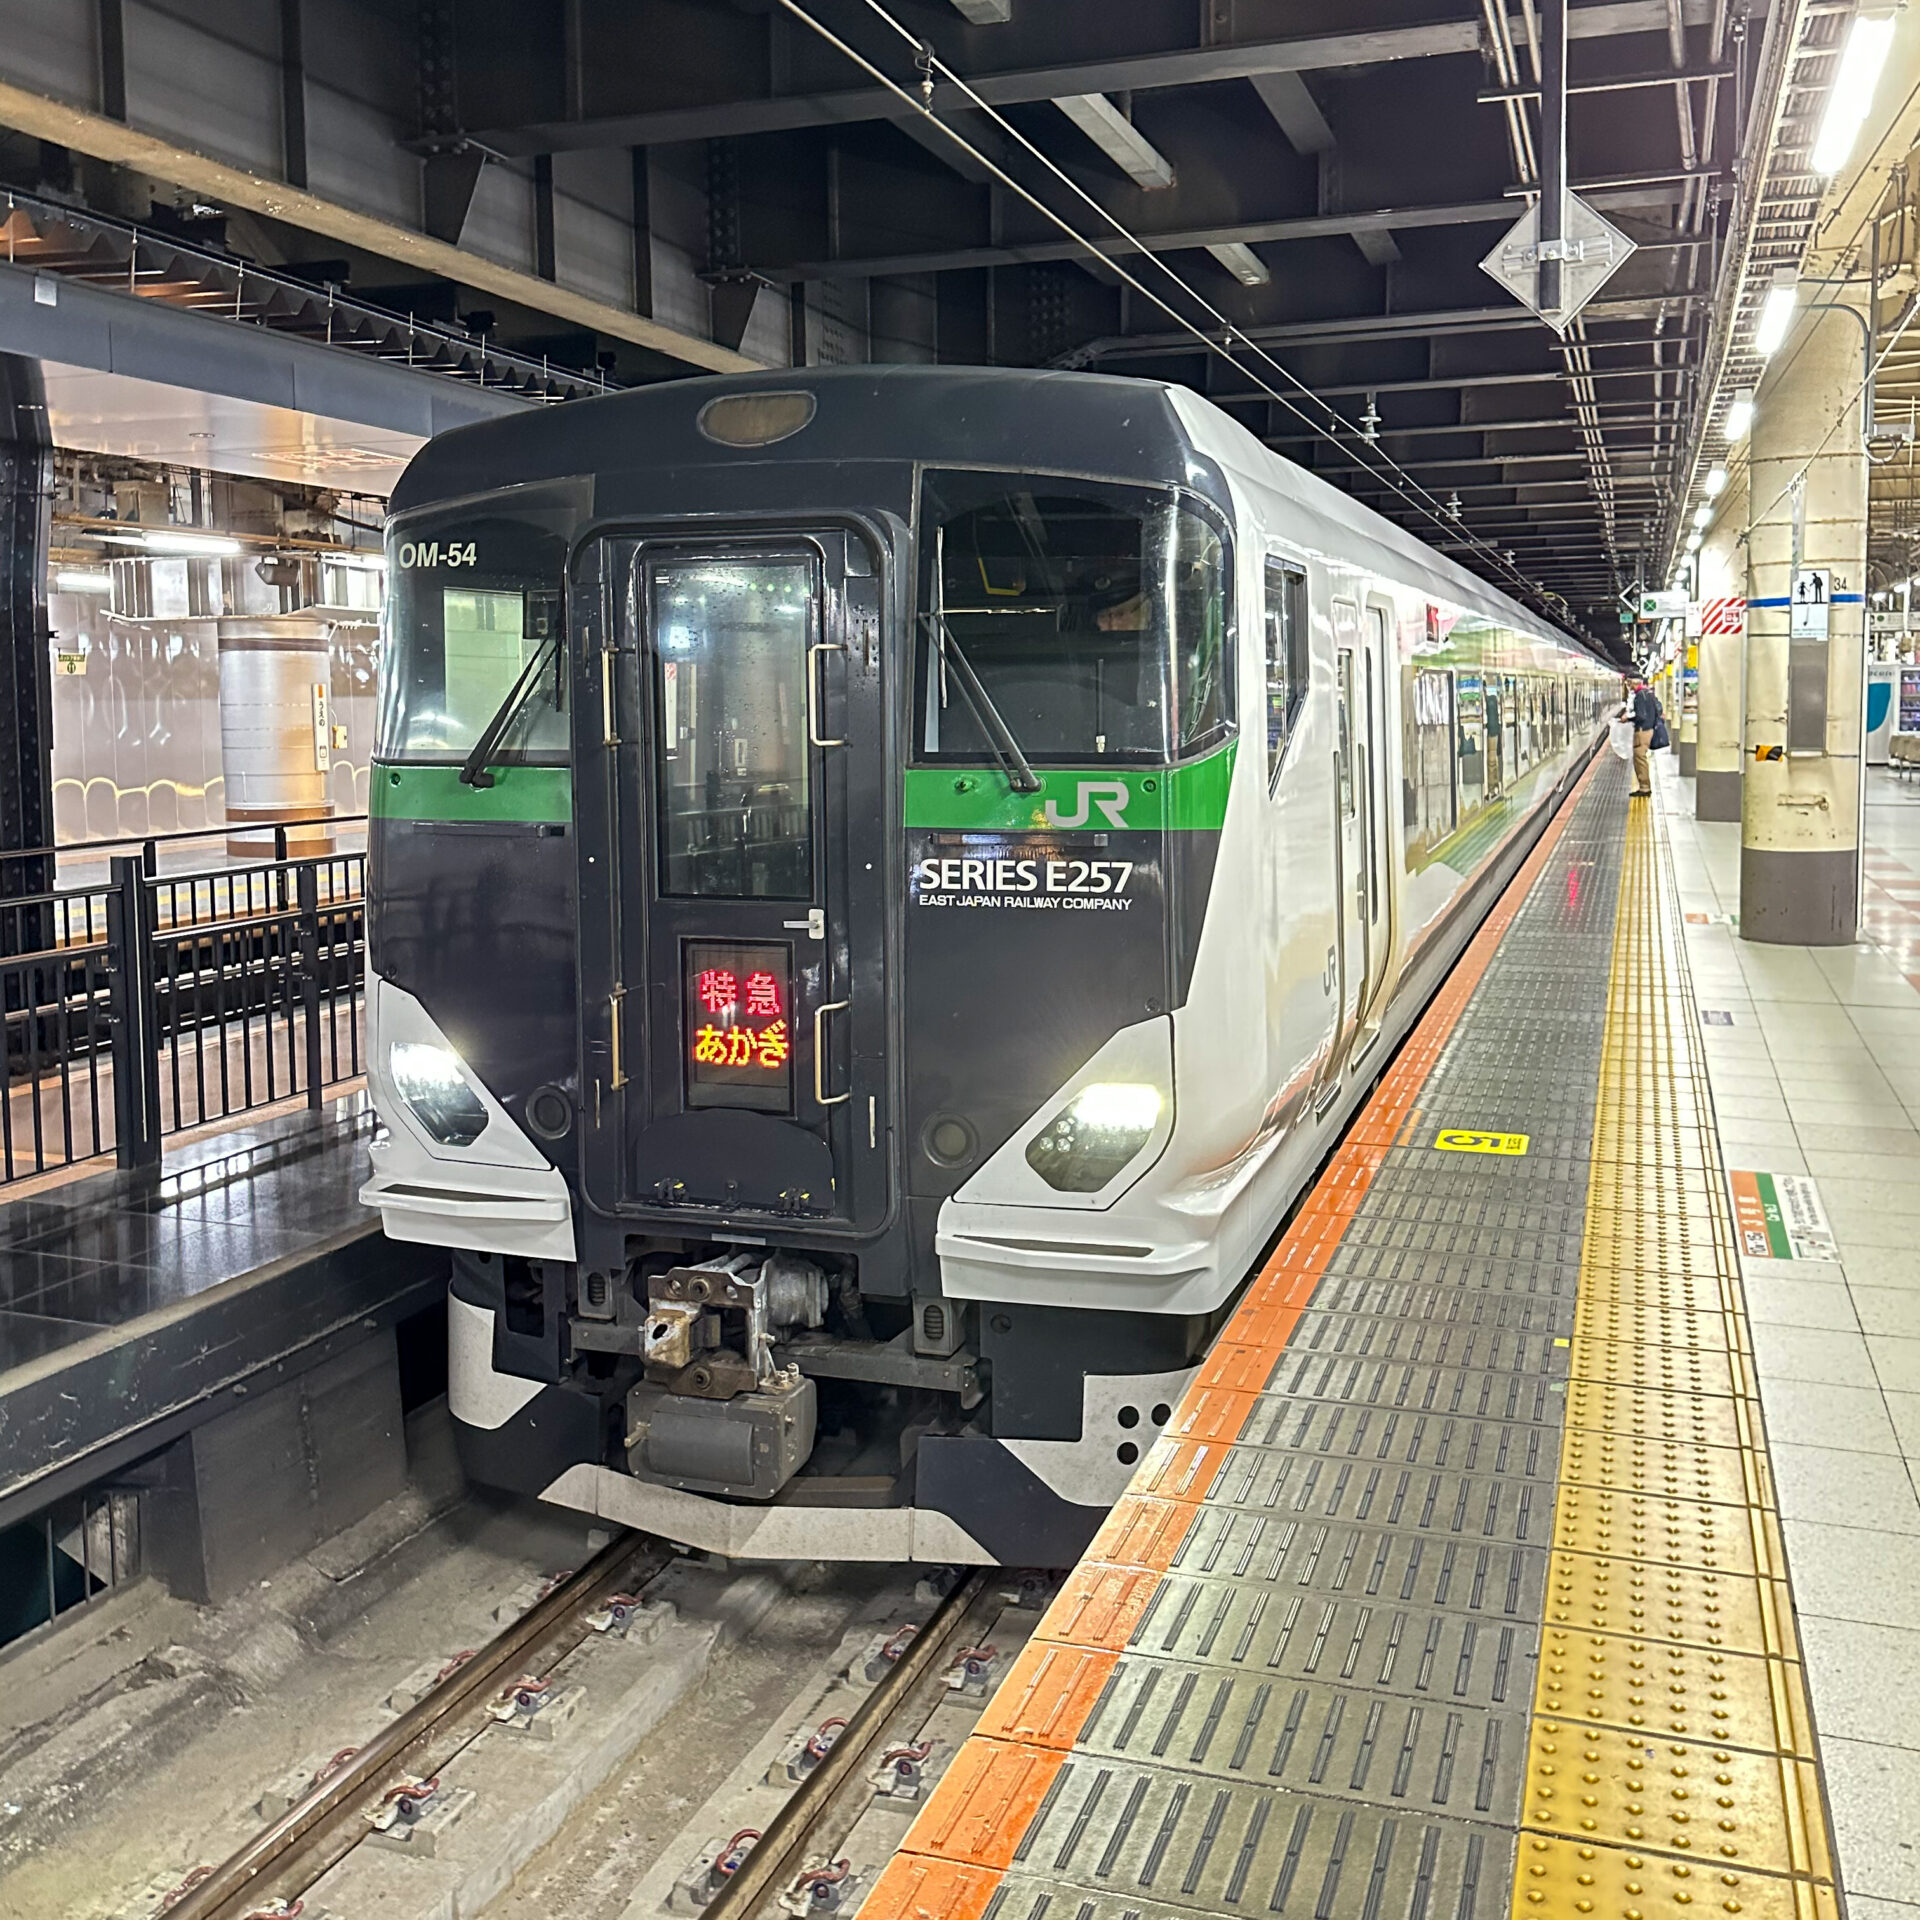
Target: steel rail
775, 1858
244, 1875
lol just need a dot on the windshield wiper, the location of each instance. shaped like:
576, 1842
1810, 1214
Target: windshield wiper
474, 771
1006, 749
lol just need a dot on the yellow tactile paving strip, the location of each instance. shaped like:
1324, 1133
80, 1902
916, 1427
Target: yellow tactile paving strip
1671, 1767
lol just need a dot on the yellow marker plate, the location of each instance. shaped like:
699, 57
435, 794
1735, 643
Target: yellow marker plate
1467, 1140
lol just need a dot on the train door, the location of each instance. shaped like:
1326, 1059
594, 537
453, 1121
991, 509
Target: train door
745, 922
1351, 849
1373, 776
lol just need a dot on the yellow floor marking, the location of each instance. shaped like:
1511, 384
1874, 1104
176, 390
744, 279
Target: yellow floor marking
1671, 1765
1468, 1140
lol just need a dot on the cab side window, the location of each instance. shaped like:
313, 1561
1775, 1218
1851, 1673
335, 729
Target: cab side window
1286, 657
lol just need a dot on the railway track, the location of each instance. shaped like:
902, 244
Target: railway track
802, 1845
394, 1776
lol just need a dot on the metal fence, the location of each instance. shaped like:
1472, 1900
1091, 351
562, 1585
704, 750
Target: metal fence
150, 1004
71, 1552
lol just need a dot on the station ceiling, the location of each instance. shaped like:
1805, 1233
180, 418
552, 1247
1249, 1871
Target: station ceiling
1324, 175
637, 189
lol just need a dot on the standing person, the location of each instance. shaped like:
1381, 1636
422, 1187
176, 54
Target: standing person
1646, 716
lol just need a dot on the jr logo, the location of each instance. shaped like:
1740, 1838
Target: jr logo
1110, 796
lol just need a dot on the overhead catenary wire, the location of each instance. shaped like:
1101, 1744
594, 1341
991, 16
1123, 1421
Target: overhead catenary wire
1386, 470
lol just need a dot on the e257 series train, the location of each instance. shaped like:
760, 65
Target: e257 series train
884, 885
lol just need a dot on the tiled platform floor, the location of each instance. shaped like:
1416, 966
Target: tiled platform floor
108, 1248
1819, 1073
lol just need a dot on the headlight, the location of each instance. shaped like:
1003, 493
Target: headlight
435, 1087
1093, 1136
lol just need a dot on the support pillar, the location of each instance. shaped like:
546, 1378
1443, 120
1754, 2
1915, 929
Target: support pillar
1723, 575
1800, 804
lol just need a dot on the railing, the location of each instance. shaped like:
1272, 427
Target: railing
152, 1004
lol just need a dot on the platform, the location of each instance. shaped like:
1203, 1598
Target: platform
134, 1306
1457, 1585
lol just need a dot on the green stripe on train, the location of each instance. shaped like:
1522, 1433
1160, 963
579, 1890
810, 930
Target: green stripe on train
531, 794
1141, 799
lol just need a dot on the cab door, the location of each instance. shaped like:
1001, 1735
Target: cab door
745, 1012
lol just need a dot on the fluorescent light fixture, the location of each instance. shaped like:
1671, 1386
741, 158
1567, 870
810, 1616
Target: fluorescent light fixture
165, 540
1113, 133
82, 580
1242, 262
1850, 96
357, 562
1702, 514
1776, 311
1740, 415
1716, 483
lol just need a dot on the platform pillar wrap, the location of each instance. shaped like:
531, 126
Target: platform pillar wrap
1723, 572
1800, 812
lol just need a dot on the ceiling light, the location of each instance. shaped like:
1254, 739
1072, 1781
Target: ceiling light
161, 540
1850, 96
1242, 262
1693, 543
1113, 133
82, 580
357, 562
1702, 514
1776, 311
1716, 480
1740, 415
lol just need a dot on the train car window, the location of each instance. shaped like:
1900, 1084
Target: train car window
1094, 619
1203, 666
730, 635
1287, 657
474, 600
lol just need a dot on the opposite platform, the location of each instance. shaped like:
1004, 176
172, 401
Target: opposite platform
1454, 1587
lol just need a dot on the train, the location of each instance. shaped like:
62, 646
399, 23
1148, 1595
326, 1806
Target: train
884, 885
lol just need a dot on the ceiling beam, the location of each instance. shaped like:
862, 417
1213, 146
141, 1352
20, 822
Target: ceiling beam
1174, 67
101, 138
1564, 423
1319, 226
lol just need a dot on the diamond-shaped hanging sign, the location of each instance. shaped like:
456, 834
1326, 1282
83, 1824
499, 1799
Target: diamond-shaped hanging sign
1592, 252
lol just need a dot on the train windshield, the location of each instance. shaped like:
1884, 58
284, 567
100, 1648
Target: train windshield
1090, 622
474, 614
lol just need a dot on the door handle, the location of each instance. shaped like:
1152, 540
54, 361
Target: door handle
608, 736
813, 689
616, 1010
821, 1097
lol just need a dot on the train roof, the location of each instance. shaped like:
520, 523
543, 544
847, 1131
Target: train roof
1041, 420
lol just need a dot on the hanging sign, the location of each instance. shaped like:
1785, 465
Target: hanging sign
1812, 603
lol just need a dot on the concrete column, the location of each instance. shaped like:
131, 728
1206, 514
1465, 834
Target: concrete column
1723, 572
1800, 811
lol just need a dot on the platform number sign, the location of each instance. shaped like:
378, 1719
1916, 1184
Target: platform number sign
1477, 1140
1812, 603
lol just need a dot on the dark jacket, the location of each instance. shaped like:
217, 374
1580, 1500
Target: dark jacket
1646, 710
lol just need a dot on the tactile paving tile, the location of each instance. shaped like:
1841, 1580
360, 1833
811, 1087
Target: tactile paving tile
1615, 1408
1658, 1687
1689, 1371
1669, 1469
1134, 1833
1706, 1803
1555, 1877
1633, 1318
